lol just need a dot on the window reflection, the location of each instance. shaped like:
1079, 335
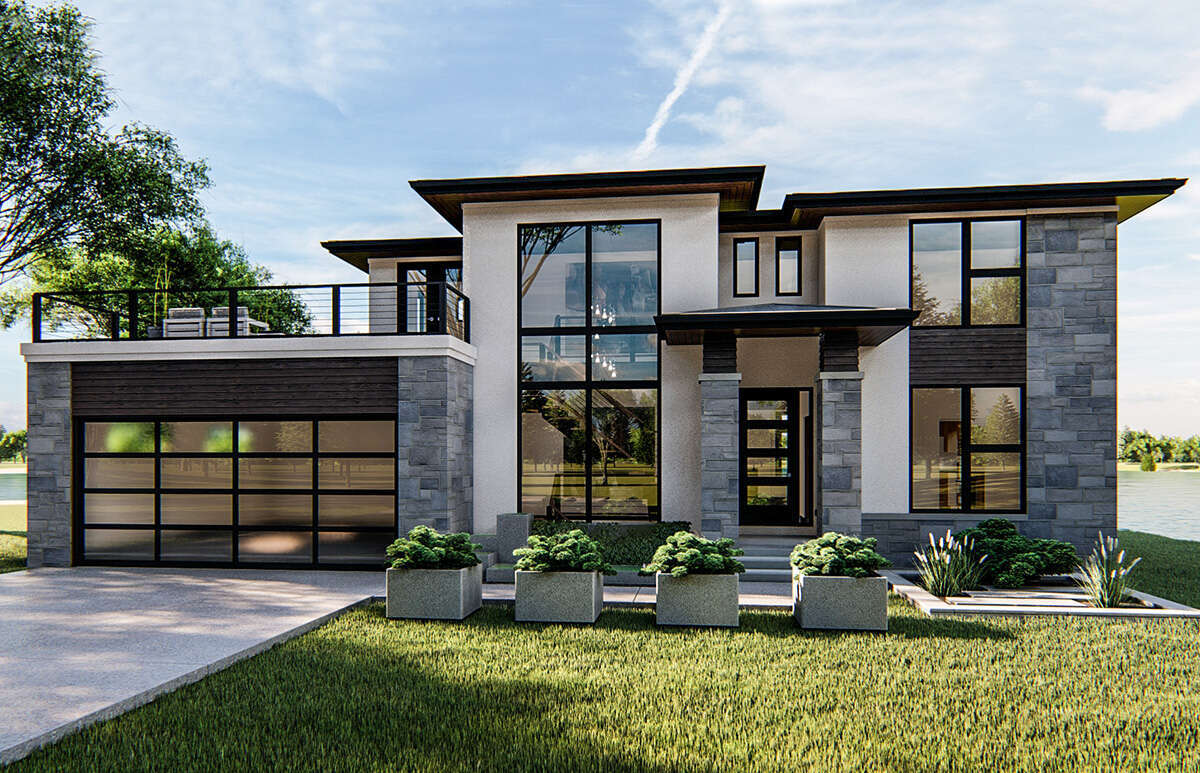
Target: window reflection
624, 274
787, 266
624, 465
553, 452
937, 449
937, 277
996, 300
551, 268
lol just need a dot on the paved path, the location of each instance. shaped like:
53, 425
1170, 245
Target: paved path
768, 595
84, 644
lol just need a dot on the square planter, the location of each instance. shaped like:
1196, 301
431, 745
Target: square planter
840, 603
697, 599
558, 597
434, 594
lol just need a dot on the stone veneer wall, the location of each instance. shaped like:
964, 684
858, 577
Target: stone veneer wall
435, 418
719, 456
839, 447
49, 464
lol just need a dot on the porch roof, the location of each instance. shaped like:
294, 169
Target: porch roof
873, 325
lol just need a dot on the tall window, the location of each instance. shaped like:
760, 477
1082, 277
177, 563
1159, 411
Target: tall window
976, 467
980, 260
745, 267
787, 266
589, 370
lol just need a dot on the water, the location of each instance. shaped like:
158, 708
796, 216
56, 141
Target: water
1166, 503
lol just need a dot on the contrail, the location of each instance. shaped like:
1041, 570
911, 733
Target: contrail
682, 79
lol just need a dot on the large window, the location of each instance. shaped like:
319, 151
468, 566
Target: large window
968, 449
979, 260
588, 354
254, 492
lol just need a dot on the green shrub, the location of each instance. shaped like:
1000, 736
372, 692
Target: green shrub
628, 544
1015, 560
424, 548
950, 565
838, 555
1105, 573
684, 553
1148, 463
572, 551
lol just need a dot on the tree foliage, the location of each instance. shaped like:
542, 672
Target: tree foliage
66, 180
425, 548
571, 551
1137, 445
13, 445
838, 555
685, 553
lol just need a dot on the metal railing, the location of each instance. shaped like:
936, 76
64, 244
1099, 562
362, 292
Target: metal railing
375, 308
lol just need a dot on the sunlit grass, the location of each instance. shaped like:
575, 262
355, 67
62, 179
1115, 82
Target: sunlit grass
1169, 568
12, 538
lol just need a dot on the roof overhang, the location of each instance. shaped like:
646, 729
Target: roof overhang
806, 210
738, 187
359, 252
872, 325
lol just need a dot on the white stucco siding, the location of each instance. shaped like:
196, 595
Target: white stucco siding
866, 261
810, 284
687, 280
885, 397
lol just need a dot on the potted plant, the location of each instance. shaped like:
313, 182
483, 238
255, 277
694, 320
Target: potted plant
558, 579
696, 581
834, 584
433, 576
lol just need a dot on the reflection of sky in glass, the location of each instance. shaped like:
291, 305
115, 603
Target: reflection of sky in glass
937, 249
995, 244
551, 300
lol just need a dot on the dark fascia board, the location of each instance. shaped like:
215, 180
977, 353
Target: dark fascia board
358, 252
809, 208
872, 325
758, 220
447, 196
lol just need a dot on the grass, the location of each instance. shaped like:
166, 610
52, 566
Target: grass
1170, 567
366, 693
12, 538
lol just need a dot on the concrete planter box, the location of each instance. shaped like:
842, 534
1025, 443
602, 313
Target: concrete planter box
558, 597
840, 603
434, 594
697, 599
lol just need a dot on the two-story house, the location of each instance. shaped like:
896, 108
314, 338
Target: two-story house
622, 346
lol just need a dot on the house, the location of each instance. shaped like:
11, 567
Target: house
624, 346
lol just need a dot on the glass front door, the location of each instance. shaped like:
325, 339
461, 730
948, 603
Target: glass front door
776, 461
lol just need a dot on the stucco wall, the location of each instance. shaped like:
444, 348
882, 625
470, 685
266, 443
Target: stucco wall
810, 284
687, 280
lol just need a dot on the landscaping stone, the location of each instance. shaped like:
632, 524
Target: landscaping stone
697, 600
512, 532
558, 597
840, 603
434, 594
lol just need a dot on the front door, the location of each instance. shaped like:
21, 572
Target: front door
775, 455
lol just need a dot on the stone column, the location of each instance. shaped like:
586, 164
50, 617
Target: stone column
719, 454
839, 449
49, 464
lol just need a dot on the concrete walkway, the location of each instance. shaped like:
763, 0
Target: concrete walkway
752, 595
84, 644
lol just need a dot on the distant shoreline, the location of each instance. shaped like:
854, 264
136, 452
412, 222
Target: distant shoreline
1162, 467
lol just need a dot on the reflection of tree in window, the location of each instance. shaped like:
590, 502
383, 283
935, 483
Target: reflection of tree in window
996, 300
930, 307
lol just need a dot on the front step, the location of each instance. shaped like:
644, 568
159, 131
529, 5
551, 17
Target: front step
767, 575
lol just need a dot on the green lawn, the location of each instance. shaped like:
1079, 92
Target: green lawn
12, 538
1170, 567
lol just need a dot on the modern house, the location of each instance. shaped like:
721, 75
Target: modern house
624, 346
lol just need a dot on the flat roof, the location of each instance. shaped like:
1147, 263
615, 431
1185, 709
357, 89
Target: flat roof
738, 187
357, 252
873, 325
805, 210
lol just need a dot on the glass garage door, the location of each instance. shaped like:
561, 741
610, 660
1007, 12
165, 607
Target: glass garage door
296, 492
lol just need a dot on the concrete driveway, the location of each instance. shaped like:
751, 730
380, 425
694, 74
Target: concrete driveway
84, 644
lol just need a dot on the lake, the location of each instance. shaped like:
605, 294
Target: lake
1166, 503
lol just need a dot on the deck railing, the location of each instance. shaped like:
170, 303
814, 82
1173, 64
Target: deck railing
376, 308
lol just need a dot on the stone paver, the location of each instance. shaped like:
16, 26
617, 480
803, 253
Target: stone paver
763, 595
88, 643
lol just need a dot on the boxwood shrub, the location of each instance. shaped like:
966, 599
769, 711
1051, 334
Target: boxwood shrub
572, 551
425, 548
1014, 560
684, 553
627, 544
838, 555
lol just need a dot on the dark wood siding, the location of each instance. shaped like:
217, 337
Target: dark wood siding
720, 353
966, 356
839, 351
337, 386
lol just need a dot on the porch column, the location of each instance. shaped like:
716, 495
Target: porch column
839, 434
719, 383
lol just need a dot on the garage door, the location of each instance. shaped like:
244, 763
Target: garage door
296, 491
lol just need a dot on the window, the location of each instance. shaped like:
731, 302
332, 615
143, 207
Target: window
299, 491
588, 352
787, 266
745, 267
979, 260
976, 467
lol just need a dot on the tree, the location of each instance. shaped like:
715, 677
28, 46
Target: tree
13, 446
66, 180
996, 301
192, 261
929, 306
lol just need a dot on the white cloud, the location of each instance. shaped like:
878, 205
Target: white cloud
1136, 109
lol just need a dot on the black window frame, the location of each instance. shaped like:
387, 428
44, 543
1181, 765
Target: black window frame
799, 242
737, 293
968, 447
967, 273
234, 491
589, 383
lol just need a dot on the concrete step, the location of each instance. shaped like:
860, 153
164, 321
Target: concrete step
767, 575
764, 562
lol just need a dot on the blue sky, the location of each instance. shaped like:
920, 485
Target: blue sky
313, 117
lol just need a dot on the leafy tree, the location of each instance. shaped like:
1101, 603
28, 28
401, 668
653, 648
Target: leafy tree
13, 446
996, 301
929, 306
192, 260
66, 180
